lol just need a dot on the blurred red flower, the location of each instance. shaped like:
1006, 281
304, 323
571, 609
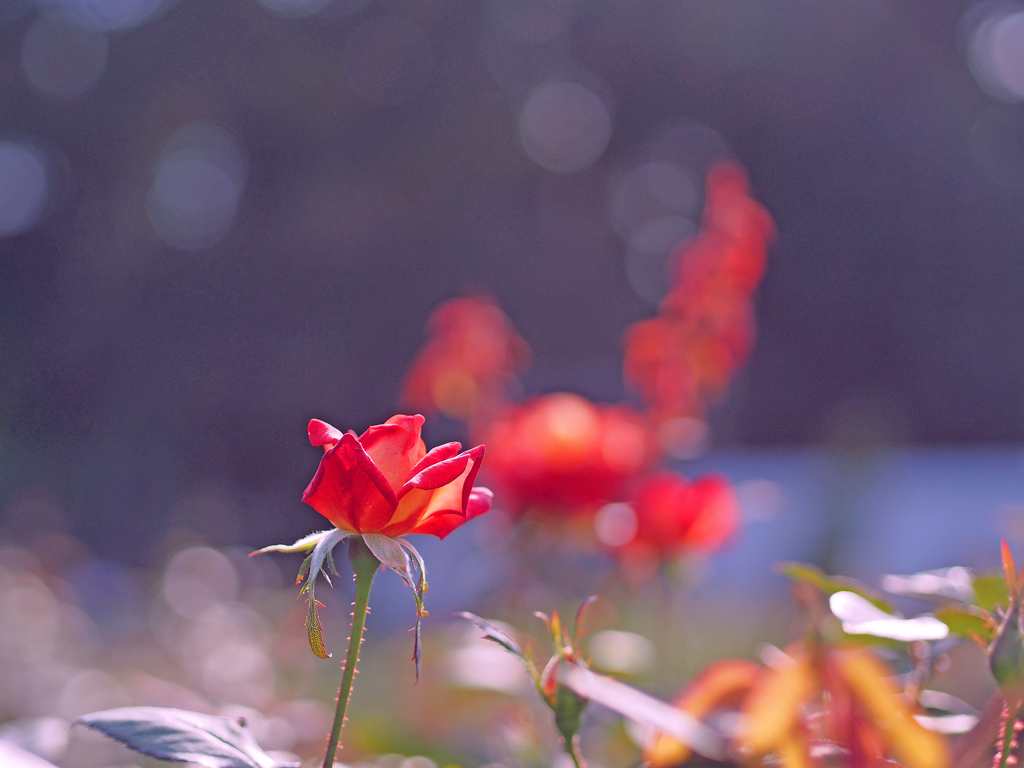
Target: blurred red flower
705, 328
385, 481
472, 355
674, 514
561, 450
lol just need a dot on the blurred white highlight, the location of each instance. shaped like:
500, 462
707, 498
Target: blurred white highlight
615, 524
197, 187
860, 617
622, 652
995, 49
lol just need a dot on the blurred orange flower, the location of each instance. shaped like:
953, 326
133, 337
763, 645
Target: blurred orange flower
561, 450
838, 698
466, 365
385, 481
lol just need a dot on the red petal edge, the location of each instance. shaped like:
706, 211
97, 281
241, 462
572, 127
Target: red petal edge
322, 433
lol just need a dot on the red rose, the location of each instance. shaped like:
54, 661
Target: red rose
673, 514
561, 450
385, 481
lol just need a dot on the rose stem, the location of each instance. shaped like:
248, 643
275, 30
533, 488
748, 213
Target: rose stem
572, 746
365, 566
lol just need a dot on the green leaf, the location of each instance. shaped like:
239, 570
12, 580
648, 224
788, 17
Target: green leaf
182, 736
990, 591
493, 634
965, 620
813, 575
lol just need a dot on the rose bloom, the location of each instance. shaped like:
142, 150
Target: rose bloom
561, 450
385, 481
674, 514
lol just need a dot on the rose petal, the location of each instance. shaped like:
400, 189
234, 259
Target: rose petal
435, 455
451, 499
395, 447
437, 475
322, 433
440, 524
350, 490
480, 500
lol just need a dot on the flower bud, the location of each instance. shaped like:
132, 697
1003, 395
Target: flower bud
1006, 655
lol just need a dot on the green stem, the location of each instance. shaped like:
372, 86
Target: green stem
365, 566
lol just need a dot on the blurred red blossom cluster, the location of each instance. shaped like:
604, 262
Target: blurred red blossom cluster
705, 328
560, 456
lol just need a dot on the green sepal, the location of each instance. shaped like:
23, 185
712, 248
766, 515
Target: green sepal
394, 553
321, 553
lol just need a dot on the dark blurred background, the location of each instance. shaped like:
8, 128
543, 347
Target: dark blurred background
219, 218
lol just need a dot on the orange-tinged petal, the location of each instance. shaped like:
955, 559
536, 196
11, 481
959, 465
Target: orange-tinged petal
416, 495
793, 751
716, 686
395, 447
437, 500
773, 708
440, 524
913, 745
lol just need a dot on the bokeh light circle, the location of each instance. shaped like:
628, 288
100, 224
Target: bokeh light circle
24, 187
108, 15
294, 9
995, 49
650, 191
615, 524
647, 262
388, 60
342, 9
62, 60
197, 187
565, 127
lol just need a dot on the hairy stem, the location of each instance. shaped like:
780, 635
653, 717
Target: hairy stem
1007, 743
365, 566
572, 746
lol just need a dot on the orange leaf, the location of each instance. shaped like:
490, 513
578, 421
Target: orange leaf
1009, 570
